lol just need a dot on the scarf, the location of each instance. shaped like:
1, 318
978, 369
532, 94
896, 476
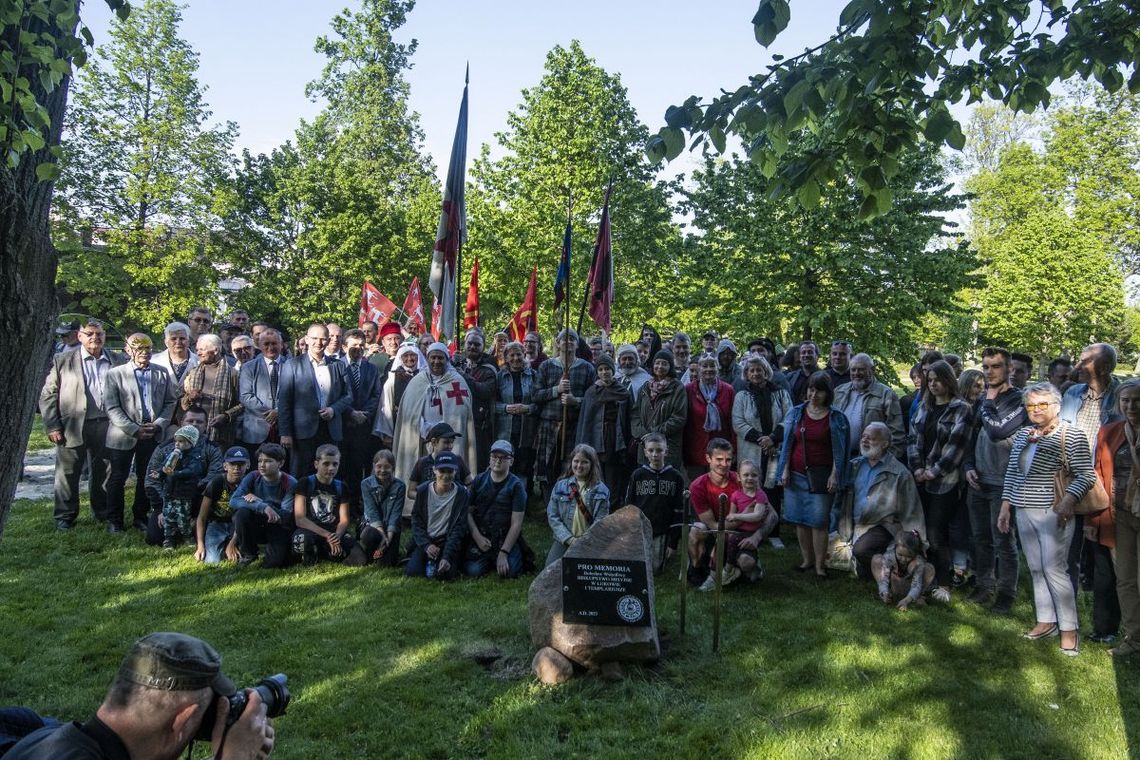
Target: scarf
657, 387
1132, 495
762, 400
712, 413
582, 517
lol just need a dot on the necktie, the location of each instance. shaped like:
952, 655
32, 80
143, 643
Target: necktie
273, 381
355, 371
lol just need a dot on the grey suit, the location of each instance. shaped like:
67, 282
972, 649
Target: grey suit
298, 411
122, 398
257, 398
70, 407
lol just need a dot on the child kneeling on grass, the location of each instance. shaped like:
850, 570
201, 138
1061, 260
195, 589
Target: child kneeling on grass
215, 527
321, 513
179, 477
383, 496
903, 572
439, 522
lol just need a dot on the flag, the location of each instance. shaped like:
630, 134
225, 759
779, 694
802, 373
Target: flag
563, 278
452, 232
471, 311
526, 316
436, 311
600, 283
374, 306
414, 309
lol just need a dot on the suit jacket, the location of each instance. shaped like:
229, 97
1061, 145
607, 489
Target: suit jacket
63, 401
367, 398
256, 398
123, 403
298, 414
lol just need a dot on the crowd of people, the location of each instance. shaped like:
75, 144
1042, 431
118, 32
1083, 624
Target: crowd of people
244, 445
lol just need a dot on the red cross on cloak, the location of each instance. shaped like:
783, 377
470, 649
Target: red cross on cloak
457, 392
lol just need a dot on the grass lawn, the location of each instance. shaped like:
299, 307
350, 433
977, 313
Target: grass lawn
38, 439
382, 666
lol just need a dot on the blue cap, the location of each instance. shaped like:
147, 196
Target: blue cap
236, 454
446, 460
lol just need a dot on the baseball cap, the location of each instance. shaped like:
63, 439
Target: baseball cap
446, 460
175, 662
442, 430
66, 327
236, 454
502, 447
711, 334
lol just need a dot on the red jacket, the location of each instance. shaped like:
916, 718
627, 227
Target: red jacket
1108, 440
696, 437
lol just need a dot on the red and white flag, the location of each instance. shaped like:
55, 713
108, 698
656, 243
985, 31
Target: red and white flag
414, 309
452, 232
374, 306
471, 311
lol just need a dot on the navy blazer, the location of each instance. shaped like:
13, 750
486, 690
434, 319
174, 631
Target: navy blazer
255, 397
367, 399
297, 410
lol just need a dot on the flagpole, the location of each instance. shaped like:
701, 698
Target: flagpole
593, 263
565, 326
458, 274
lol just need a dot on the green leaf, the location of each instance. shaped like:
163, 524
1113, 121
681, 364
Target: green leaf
808, 194
850, 14
938, 125
33, 139
872, 177
47, 171
771, 18
716, 134
956, 139
795, 96
674, 142
677, 117
869, 208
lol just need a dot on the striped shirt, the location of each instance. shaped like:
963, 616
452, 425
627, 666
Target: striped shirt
1029, 474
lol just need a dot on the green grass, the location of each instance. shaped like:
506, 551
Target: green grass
38, 439
384, 666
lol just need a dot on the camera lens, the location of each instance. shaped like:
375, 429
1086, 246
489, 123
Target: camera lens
274, 694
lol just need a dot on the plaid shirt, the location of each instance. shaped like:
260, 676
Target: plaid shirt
952, 434
549, 375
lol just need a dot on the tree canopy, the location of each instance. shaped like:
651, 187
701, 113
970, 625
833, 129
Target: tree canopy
889, 73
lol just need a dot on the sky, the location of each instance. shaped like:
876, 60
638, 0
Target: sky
256, 56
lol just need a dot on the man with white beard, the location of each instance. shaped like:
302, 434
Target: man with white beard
880, 501
631, 375
865, 400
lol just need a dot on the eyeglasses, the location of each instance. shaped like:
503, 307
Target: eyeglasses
1039, 407
500, 457
200, 320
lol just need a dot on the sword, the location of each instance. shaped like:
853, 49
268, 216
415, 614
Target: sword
719, 570
685, 554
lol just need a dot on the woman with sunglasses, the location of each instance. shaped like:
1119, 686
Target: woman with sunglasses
1044, 523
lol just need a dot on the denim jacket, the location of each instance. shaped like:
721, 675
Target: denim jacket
383, 507
506, 395
840, 432
1071, 403
560, 510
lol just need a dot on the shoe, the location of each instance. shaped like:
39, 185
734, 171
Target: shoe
168, 544
140, 525
1102, 638
245, 561
756, 574
959, 579
776, 542
709, 583
64, 525
731, 573
1003, 605
1051, 632
696, 576
1126, 648
982, 596
113, 528
940, 595
1074, 650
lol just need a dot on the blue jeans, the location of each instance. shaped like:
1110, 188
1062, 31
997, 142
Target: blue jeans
487, 563
217, 535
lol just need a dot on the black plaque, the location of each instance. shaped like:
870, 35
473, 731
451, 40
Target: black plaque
604, 592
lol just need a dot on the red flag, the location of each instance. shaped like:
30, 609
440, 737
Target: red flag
414, 309
436, 313
600, 283
471, 312
526, 317
452, 231
374, 306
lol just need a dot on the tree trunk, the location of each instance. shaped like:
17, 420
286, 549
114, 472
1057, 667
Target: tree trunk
28, 305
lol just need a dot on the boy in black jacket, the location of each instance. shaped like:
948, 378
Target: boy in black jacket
657, 489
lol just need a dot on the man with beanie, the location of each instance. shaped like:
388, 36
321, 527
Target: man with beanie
631, 375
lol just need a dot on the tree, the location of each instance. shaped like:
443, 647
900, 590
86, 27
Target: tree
1050, 284
888, 73
769, 266
39, 44
354, 197
144, 174
571, 134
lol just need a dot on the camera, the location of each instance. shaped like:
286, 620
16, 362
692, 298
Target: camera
273, 693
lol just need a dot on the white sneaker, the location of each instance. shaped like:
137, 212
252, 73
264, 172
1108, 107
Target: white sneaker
776, 542
940, 595
731, 573
709, 584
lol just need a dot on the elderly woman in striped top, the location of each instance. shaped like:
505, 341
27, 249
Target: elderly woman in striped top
1045, 525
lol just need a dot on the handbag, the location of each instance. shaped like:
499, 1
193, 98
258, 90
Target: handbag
817, 475
1096, 500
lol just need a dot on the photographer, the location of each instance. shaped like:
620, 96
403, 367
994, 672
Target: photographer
155, 708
